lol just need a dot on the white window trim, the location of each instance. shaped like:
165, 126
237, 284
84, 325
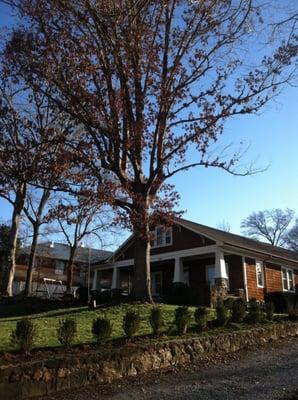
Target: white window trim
282, 281
156, 246
263, 274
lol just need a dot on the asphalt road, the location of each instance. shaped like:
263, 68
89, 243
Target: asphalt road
266, 373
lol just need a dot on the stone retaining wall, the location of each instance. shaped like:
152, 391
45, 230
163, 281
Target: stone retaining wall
38, 378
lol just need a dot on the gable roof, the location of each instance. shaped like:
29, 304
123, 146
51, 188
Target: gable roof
61, 251
238, 241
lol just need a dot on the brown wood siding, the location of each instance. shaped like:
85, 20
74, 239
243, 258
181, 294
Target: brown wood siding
253, 290
273, 277
46, 271
182, 239
236, 280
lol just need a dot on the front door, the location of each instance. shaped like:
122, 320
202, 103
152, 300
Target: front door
156, 283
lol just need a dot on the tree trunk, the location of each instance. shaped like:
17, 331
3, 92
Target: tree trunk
142, 279
70, 266
31, 263
36, 227
9, 269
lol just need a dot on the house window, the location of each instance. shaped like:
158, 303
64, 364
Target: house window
260, 274
288, 279
162, 237
59, 267
210, 272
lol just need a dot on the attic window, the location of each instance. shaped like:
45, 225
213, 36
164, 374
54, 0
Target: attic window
162, 237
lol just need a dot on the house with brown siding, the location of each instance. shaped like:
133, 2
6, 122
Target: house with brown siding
51, 267
210, 261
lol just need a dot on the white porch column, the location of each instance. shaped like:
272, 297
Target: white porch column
115, 278
178, 271
94, 282
220, 265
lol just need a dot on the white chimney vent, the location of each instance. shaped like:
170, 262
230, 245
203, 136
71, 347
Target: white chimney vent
52, 244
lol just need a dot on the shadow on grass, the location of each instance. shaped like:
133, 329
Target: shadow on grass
39, 306
25, 308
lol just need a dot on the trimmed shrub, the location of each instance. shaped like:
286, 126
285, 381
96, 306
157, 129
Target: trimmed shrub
156, 320
82, 294
222, 313
24, 334
101, 329
201, 318
293, 312
102, 297
66, 332
269, 310
255, 314
238, 311
179, 294
182, 319
229, 302
131, 323
281, 300
116, 296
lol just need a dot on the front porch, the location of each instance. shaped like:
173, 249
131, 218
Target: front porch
208, 273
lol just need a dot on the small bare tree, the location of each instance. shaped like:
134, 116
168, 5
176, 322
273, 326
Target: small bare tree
34, 208
271, 225
224, 226
78, 218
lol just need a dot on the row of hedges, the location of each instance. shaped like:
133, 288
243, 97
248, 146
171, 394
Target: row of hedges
282, 300
179, 294
41, 377
226, 312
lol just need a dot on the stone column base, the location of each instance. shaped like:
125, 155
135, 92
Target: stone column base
218, 290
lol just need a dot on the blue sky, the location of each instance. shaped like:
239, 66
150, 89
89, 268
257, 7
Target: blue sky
210, 196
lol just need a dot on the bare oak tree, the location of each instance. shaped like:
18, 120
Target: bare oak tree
292, 237
271, 225
153, 83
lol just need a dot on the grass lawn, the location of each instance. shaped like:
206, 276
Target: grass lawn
47, 322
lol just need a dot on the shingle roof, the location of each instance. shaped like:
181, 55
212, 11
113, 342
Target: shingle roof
239, 241
61, 251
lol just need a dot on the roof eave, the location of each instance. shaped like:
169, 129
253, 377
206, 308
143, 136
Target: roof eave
247, 251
